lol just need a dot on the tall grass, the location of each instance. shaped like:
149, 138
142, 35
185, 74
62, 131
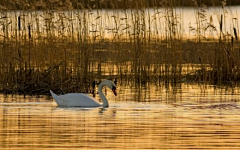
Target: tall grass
68, 46
219, 57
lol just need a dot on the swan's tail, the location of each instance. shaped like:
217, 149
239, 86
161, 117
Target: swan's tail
53, 94
55, 97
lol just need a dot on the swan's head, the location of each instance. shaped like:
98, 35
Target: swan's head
111, 85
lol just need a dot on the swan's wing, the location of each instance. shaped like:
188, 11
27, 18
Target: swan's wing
78, 100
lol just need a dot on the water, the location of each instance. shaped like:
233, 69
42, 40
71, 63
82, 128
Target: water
188, 116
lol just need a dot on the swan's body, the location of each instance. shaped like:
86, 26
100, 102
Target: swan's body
83, 100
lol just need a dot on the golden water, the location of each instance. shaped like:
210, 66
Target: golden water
154, 117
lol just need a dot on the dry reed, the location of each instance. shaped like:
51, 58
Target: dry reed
68, 49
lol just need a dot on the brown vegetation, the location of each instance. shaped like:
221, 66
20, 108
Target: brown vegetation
99, 4
69, 50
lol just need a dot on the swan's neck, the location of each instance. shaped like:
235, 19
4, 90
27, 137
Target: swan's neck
102, 96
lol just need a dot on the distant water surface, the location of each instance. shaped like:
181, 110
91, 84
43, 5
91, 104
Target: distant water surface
186, 22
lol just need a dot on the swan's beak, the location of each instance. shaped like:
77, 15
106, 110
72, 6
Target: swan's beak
114, 92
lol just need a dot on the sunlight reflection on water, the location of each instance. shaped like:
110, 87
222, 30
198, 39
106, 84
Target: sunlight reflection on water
183, 121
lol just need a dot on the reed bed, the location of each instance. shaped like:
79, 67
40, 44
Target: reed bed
72, 46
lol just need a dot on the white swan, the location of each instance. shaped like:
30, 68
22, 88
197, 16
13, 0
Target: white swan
83, 100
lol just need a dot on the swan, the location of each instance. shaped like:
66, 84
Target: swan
84, 100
